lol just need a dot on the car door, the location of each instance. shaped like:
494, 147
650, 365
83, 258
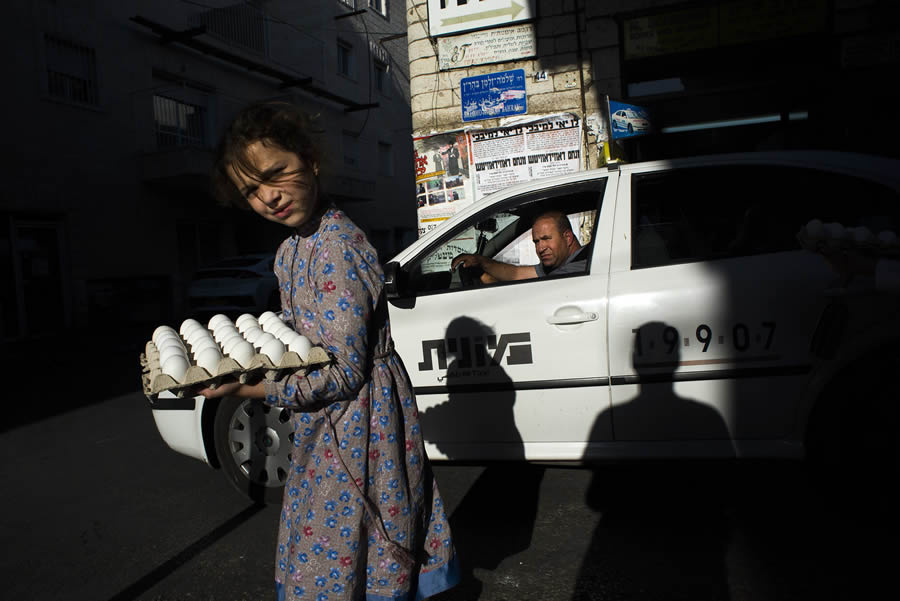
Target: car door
513, 370
713, 304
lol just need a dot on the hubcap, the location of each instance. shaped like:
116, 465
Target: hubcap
258, 435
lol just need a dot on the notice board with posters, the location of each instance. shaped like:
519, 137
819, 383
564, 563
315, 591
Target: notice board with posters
525, 150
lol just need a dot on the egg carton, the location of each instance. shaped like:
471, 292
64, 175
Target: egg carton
829, 237
202, 367
154, 381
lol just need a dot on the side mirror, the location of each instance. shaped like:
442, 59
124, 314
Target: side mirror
394, 278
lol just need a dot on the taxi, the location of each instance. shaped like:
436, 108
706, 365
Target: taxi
699, 327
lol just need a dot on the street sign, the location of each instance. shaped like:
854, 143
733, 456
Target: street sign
493, 95
453, 16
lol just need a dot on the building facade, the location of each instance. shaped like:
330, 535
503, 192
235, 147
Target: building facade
714, 75
115, 111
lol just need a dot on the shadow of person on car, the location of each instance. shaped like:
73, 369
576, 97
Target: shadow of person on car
496, 517
663, 531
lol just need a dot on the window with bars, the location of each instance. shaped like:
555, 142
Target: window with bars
379, 6
345, 58
380, 72
240, 24
71, 71
178, 123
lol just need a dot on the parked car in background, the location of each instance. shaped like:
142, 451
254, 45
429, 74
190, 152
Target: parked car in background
699, 327
241, 284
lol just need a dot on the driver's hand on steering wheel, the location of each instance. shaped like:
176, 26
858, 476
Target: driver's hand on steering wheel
465, 260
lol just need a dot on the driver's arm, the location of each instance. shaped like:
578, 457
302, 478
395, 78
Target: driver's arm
501, 272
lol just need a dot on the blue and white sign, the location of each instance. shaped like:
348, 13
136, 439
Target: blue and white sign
493, 95
627, 120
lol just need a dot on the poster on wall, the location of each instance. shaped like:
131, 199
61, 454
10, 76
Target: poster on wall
493, 95
498, 45
628, 120
443, 186
524, 151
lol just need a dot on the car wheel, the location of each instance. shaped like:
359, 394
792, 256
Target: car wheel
253, 443
630, 128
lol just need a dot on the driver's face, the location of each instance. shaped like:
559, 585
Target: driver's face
551, 246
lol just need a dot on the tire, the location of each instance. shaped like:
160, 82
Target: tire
253, 444
630, 128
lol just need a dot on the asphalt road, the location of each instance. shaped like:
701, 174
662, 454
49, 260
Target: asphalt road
96, 507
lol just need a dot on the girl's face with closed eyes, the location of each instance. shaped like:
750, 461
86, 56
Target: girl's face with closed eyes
283, 188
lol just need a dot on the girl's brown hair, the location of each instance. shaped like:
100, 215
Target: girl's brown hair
278, 124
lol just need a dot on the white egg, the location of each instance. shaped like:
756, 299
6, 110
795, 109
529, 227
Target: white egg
224, 332
201, 345
228, 336
265, 316
242, 352
280, 330
862, 235
163, 334
273, 349
198, 334
209, 359
251, 334
244, 317
172, 351
263, 339
169, 341
247, 324
815, 229
215, 320
230, 342
273, 324
176, 366
187, 325
301, 345
288, 336
887, 238
160, 330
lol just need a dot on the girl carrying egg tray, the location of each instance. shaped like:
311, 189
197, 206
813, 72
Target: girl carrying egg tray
362, 517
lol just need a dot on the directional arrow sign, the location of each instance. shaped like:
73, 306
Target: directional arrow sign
453, 17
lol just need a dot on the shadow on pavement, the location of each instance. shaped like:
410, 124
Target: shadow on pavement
51, 375
160, 573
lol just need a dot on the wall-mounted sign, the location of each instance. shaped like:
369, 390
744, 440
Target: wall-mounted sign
489, 46
627, 120
493, 95
454, 16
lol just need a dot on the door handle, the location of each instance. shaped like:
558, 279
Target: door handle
559, 320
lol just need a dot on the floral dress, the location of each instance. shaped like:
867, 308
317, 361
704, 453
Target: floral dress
362, 517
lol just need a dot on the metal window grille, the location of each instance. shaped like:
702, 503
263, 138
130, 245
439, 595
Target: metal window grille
178, 123
240, 24
345, 58
71, 71
381, 76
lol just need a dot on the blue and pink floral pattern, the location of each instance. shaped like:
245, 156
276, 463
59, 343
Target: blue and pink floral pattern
362, 517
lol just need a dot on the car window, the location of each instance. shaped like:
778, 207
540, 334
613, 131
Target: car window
699, 214
503, 233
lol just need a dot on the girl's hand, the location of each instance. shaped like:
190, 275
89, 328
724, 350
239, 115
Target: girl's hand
254, 391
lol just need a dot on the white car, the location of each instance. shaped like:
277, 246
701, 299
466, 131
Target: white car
698, 329
630, 121
241, 284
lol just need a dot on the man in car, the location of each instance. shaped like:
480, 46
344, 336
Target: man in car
557, 249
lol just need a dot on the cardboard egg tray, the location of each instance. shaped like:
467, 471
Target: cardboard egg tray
155, 381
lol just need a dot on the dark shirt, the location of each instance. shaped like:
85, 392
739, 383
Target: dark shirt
576, 263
